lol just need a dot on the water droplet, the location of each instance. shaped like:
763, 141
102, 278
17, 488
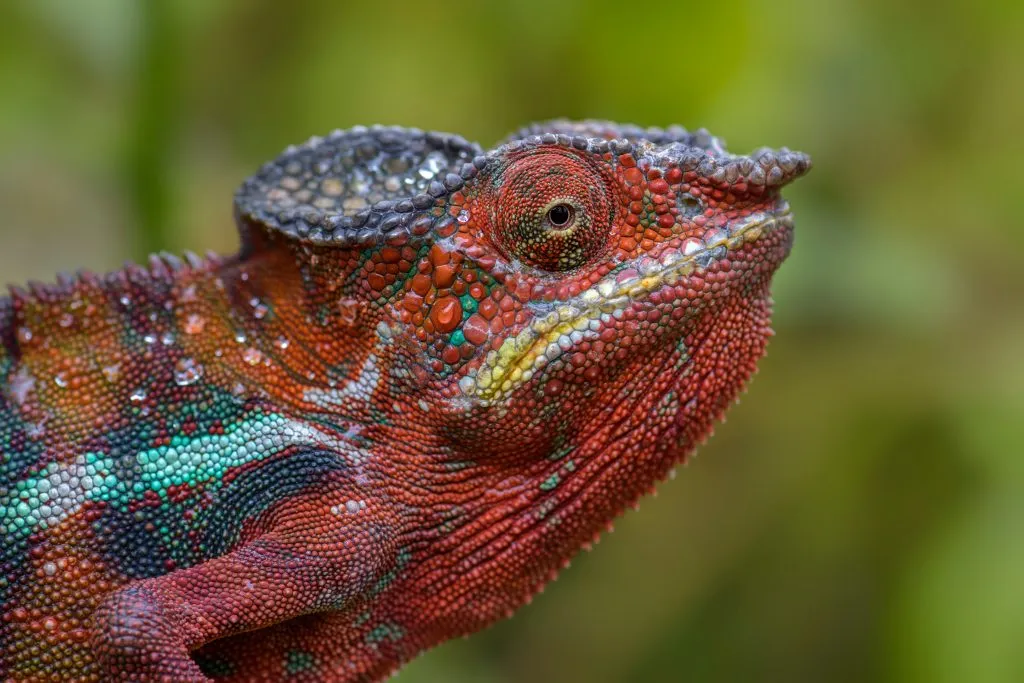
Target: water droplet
432, 166
149, 338
240, 337
112, 372
24, 335
259, 310
252, 356
66, 320
21, 382
187, 371
125, 301
463, 216
60, 379
350, 310
194, 324
282, 342
138, 396
167, 339
360, 187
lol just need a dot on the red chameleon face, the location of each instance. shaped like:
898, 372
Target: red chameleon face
573, 277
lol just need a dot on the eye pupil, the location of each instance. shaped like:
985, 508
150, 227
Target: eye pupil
560, 215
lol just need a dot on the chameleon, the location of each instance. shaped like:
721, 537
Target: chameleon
431, 374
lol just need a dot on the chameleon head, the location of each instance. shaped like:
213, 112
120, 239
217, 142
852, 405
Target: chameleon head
577, 270
634, 269
525, 339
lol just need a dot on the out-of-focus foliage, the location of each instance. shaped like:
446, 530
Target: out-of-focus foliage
861, 516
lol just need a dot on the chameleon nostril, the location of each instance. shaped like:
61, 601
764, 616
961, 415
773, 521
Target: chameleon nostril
689, 206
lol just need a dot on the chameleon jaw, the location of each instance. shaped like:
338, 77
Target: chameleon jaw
547, 337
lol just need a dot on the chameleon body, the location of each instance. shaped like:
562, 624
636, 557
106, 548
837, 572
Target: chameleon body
429, 377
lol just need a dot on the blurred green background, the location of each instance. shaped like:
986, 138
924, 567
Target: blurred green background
861, 515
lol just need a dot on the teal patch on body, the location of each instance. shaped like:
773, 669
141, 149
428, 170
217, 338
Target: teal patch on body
385, 632
550, 483
401, 561
297, 661
469, 304
214, 667
561, 452
457, 465
61, 489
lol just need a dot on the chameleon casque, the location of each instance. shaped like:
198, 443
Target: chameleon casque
430, 376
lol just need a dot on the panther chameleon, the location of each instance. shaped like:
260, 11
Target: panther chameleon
430, 376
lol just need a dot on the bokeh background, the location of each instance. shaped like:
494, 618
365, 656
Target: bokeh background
861, 515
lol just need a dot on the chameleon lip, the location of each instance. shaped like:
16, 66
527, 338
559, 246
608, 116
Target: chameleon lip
548, 336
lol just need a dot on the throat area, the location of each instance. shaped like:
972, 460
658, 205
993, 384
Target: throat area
535, 516
656, 281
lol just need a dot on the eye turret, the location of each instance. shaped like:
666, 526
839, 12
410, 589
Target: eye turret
554, 211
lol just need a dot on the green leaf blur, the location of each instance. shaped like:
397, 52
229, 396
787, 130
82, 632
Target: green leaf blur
861, 515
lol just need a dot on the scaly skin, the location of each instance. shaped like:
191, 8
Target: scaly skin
431, 375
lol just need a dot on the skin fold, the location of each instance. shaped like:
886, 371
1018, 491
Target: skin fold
430, 376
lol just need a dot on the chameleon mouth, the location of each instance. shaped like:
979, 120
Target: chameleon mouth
562, 328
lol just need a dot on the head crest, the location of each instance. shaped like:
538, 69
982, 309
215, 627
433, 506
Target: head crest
357, 186
367, 185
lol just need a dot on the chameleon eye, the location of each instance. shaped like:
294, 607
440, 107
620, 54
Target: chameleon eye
554, 211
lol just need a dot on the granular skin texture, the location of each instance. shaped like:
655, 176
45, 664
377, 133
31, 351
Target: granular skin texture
429, 377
